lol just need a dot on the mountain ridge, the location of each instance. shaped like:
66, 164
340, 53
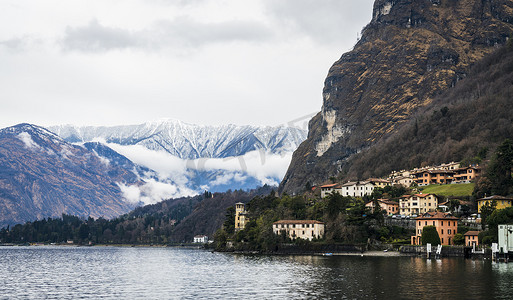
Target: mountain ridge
190, 141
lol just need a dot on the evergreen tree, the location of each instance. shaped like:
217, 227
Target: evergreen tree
430, 236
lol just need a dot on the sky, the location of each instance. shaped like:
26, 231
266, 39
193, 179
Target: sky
211, 62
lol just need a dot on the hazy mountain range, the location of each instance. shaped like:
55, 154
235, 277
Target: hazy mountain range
106, 171
189, 141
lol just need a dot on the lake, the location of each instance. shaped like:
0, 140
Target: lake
173, 273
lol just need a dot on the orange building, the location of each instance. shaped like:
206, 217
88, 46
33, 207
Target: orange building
446, 226
471, 238
466, 174
428, 177
391, 207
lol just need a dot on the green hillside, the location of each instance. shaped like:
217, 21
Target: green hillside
456, 190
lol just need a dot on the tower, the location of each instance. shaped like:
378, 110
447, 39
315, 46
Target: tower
241, 217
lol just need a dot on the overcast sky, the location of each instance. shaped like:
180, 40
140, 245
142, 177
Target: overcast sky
88, 62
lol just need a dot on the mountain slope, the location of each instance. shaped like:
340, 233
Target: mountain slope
463, 124
42, 175
411, 51
189, 141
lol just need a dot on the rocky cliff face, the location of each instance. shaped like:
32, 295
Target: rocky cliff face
411, 51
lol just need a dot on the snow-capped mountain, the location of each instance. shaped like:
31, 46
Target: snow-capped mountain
41, 175
188, 141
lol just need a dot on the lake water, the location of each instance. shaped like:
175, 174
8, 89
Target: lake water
170, 273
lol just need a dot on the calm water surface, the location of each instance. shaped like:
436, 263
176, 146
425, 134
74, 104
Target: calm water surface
168, 273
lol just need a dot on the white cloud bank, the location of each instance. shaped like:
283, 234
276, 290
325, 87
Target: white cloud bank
175, 174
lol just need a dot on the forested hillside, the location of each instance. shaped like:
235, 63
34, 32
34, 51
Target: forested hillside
466, 123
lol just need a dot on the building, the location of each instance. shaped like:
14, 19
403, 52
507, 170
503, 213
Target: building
241, 216
506, 238
428, 177
357, 188
500, 201
417, 204
446, 226
391, 207
471, 238
377, 182
330, 188
201, 239
466, 174
301, 229
404, 181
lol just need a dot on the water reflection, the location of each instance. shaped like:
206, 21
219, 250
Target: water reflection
163, 273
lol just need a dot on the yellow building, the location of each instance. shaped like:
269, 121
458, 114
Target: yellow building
502, 202
301, 229
417, 204
241, 216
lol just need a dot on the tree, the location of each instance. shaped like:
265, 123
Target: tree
487, 209
454, 204
459, 239
499, 172
229, 221
430, 236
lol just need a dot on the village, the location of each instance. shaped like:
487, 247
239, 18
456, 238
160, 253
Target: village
416, 210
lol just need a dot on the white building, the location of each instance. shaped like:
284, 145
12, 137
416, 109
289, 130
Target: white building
357, 188
506, 238
301, 229
201, 239
330, 188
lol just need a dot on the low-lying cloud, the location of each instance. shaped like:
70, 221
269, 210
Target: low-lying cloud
176, 176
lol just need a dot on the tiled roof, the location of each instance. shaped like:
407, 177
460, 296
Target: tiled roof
472, 233
495, 197
298, 222
333, 185
436, 216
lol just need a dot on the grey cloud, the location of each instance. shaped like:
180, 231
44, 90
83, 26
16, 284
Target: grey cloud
181, 32
19, 43
325, 21
187, 32
96, 38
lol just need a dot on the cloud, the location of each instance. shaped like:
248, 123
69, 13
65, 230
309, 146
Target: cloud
180, 32
95, 37
152, 192
327, 21
266, 167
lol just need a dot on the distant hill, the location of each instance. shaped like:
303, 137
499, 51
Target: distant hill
41, 175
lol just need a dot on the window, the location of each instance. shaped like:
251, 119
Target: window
426, 223
442, 231
442, 240
442, 223
433, 223
449, 231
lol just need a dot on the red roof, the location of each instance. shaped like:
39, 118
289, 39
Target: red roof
436, 216
471, 233
330, 185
